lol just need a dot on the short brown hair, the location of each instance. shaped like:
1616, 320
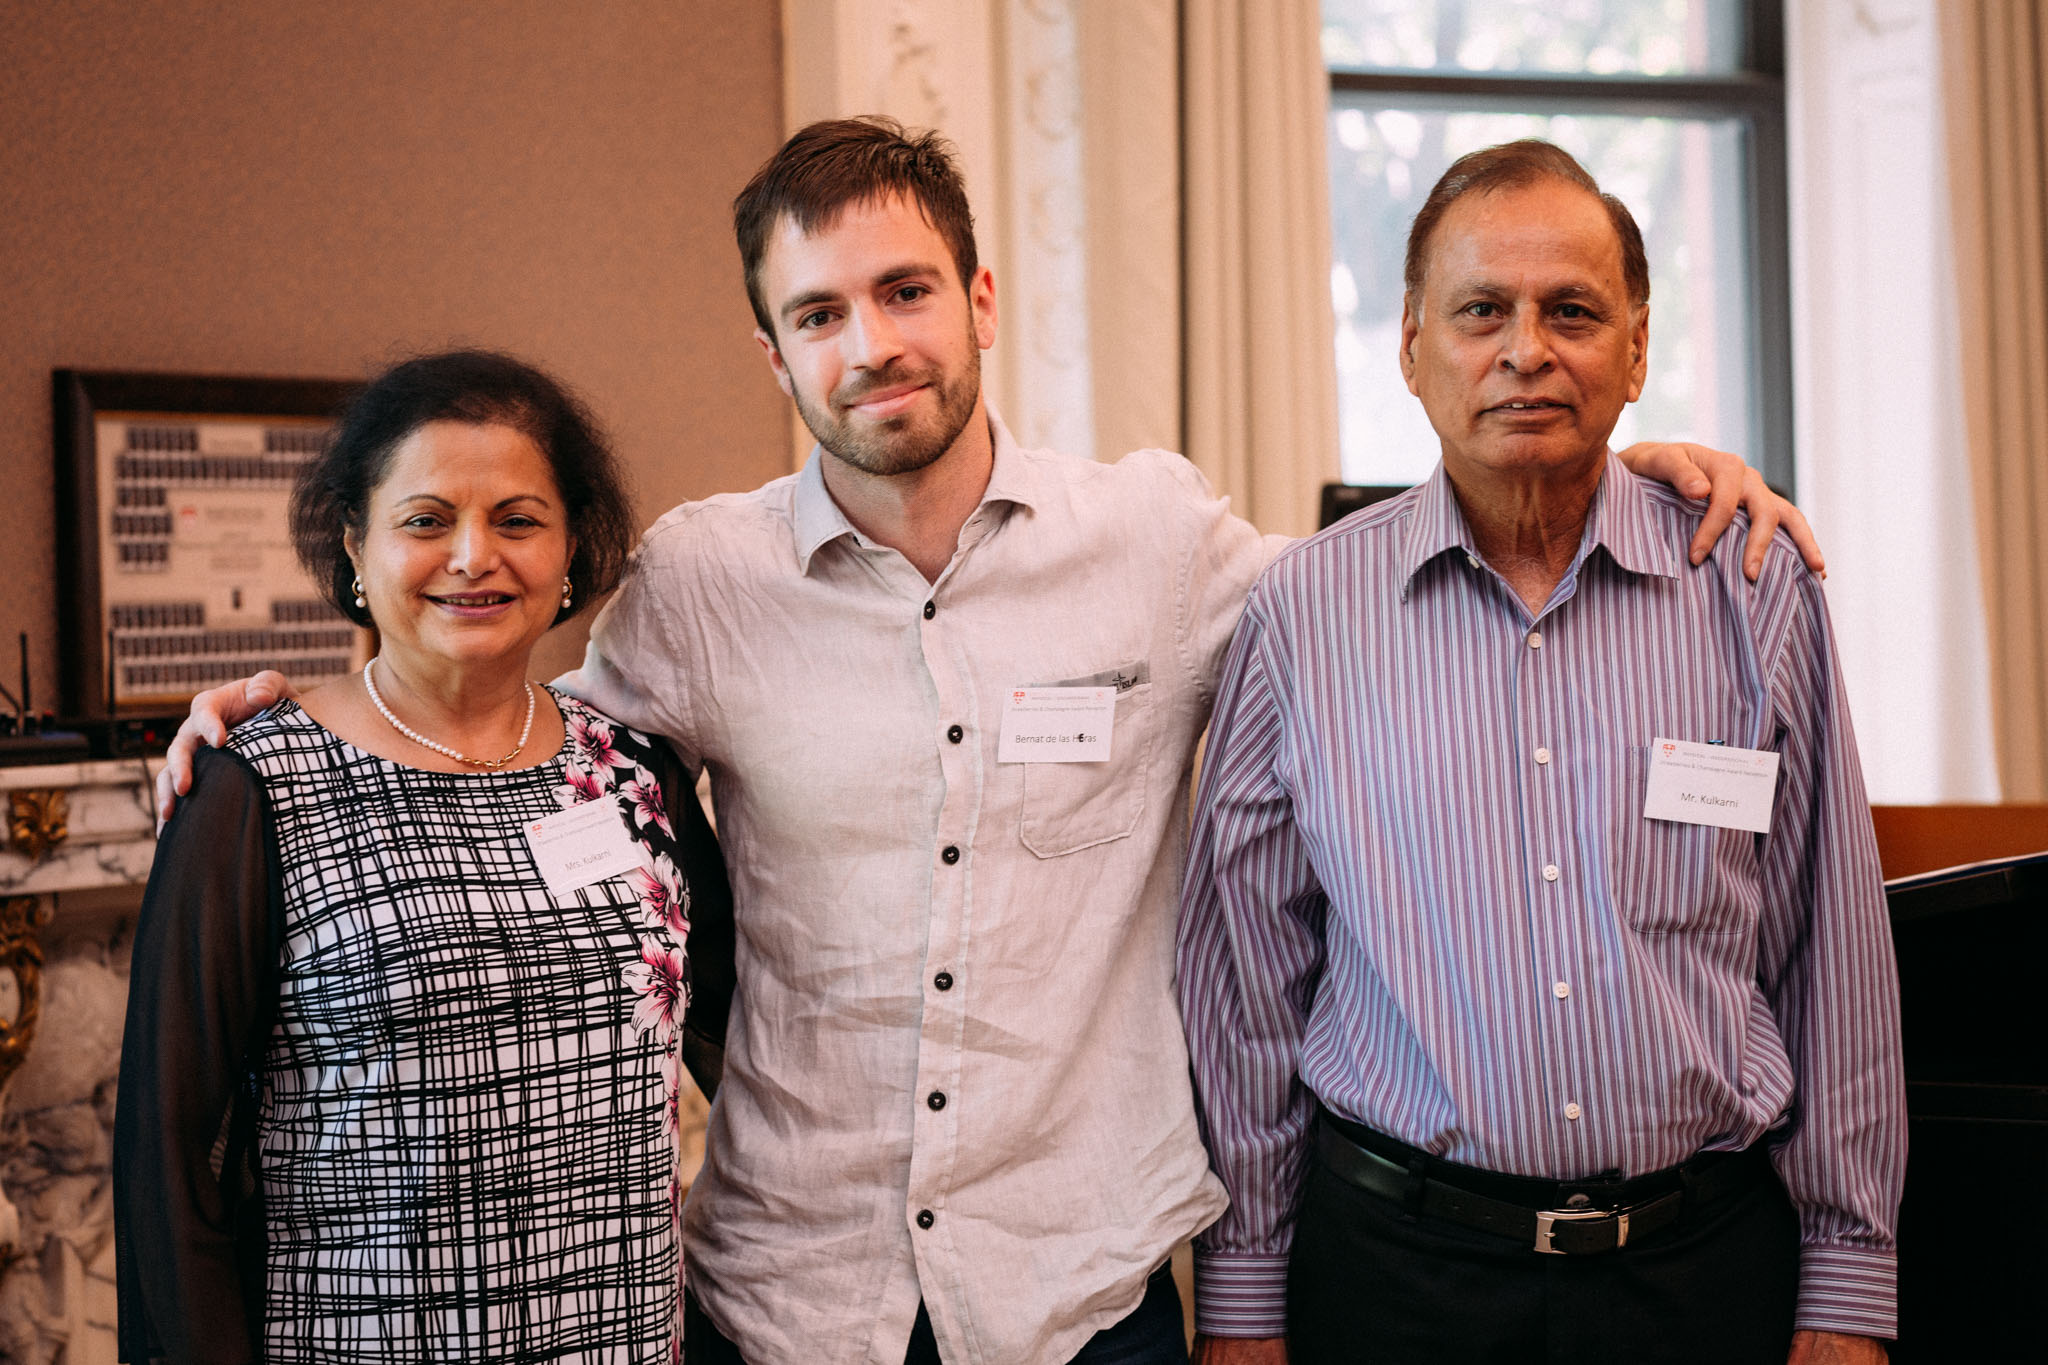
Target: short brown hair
826, 166
1511, 166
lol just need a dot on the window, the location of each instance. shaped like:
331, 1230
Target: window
1675, 106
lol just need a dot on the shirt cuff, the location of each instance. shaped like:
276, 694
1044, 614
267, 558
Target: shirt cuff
1848, 1289
1242, 1295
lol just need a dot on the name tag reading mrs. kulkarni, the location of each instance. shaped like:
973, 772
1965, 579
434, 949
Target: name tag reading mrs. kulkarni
1056, 725
580, 845
1711, 784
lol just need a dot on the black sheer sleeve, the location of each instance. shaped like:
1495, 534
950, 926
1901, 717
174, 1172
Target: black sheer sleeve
201, 996
710, 945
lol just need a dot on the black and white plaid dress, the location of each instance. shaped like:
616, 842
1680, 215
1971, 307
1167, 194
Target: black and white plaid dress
464, 1099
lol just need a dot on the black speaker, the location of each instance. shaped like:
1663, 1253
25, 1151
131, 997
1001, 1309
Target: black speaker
1972, 945
1340, 500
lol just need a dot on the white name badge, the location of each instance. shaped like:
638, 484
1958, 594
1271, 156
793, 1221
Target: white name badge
1056, 725
581, 845
1711, 784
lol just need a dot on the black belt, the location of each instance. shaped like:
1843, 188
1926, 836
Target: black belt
1589, 1217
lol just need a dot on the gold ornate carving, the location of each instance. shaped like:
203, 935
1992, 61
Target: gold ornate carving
39, 820
21, 953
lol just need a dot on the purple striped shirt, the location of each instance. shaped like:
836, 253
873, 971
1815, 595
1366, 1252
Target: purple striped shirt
1422, 888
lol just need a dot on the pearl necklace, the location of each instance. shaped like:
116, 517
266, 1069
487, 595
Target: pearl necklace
418, 738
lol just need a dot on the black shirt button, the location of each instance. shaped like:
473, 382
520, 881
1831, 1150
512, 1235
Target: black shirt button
930, 610
950, 854
924, 1218
944, 981
955, 734
937, 1099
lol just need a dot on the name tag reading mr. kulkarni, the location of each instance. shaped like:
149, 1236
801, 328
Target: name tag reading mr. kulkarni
1056, 725
1711, 784
580, 845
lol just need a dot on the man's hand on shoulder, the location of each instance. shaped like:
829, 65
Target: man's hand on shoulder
214, 713
1835, 1348
1239, 1350
1726, 482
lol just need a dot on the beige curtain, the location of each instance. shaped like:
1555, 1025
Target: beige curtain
1995, 64
1259, 367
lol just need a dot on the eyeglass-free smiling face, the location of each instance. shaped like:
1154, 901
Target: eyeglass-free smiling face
876, 337
464, 548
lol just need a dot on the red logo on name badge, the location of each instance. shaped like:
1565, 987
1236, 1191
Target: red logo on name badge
1016, 696
1671, 748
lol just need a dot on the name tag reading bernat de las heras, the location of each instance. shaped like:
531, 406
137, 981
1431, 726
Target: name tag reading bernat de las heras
1711, 784
1056, 725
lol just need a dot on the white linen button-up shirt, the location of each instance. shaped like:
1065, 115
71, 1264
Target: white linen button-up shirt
955, 1067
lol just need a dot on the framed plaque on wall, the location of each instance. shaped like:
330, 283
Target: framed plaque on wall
174, 557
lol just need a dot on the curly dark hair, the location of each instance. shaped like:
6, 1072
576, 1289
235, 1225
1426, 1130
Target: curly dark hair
333, 491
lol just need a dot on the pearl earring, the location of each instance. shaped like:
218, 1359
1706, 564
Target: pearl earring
566, 597
358, 590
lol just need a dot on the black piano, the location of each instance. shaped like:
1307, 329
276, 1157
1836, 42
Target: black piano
1973, 993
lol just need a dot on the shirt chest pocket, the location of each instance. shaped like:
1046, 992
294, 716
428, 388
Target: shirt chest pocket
1071, 806
1672, 877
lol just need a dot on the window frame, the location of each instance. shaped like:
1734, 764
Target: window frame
1753, 96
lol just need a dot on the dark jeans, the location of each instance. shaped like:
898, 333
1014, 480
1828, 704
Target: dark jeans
1151, 1335
1370, 1284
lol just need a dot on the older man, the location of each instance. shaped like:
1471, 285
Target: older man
1533, 953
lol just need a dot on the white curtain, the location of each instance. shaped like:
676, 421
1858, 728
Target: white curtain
1996, 70
1259, 367
1150, 187
1066, 117
1881, 451
1088, 116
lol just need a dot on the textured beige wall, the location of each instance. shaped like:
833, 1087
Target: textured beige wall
254, 188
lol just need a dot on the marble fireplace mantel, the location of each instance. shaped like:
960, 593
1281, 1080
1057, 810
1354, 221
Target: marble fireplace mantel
105, 814
84, 828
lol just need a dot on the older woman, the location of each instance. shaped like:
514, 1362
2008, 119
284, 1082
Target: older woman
400, 1074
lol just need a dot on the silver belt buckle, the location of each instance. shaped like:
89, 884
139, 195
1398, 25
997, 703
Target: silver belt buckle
1548, 1219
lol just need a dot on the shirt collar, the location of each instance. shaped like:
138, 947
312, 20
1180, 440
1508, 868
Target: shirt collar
817, 519
1437, 527
1622, 522
1619, 521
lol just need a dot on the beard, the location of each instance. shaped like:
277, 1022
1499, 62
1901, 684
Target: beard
896, 445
